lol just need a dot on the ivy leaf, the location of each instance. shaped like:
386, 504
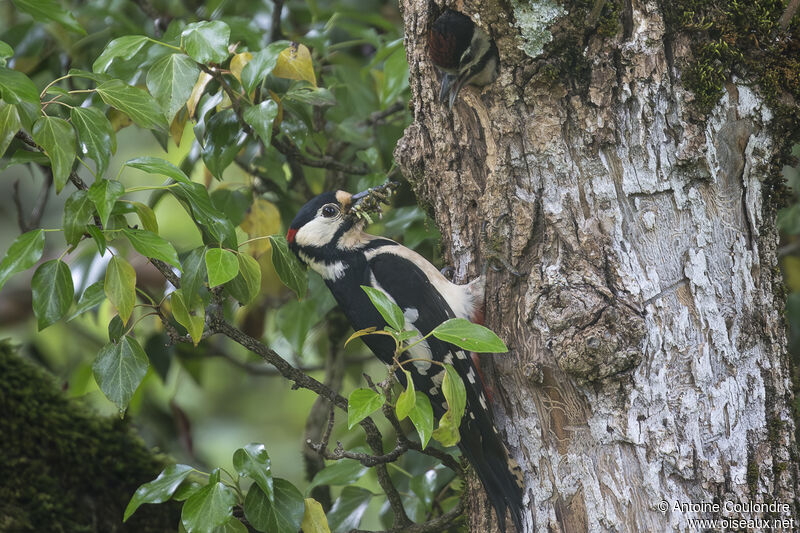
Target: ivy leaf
389, 310
261, 117
469, 336
119, 369
9, 125
222, 142
52, 292
47, 10
160, 489
170, 80
5, 52
342, 472
349, 508
456, 395
154, 165
253, 461
207, 42
92, 296
57, 137
285, 515
421, 416
16, 87
98, 237
116, 329
104, 193
97, 138
311, 95
361, 403
294, 63
221, 265
134, 102
192, 319
314, 519
194, 273
120, 286
23, 253
289, 269
407, 399
153, 246
247, 284
124, 47
262, 64
78, 211
209, 507
146, 216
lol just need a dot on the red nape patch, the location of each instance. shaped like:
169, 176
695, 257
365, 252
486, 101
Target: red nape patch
290, 235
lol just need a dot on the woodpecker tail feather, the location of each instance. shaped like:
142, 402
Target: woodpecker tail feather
501, 476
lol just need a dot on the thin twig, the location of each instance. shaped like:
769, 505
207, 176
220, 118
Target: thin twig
378, 117
788, 15
275, 33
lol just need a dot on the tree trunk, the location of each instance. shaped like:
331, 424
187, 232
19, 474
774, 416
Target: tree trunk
648, 358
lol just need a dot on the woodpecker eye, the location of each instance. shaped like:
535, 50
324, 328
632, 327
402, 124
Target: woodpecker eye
330, 211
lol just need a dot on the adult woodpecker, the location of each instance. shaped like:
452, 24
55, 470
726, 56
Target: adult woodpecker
330, 239
464, 53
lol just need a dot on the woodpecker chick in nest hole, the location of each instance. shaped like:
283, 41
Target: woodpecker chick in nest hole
464, 53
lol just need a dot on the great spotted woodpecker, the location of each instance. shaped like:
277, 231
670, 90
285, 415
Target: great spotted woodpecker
463, 52
326, 236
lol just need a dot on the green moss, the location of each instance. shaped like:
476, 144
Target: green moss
64, 469
752, 476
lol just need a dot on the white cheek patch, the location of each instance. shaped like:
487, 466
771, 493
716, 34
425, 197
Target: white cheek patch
318, 232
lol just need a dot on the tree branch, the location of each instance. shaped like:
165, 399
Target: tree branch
275, 33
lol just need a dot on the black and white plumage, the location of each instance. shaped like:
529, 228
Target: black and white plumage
464, 53
332, 242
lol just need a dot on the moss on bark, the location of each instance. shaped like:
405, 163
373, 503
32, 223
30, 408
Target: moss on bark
62, 468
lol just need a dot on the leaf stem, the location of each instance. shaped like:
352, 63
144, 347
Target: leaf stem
44, 91
165, 44
151, 188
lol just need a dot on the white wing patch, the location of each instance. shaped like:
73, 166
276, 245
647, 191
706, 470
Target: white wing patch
328, 271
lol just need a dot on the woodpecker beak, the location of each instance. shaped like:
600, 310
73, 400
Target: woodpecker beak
447, 80
455, 90
357, 197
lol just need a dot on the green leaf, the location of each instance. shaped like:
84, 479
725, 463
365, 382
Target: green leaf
262, 64
98, 236
160, 489
194, 273
456, 395
247, 284
261, 117
23, 157
123, 47
311, 95
233, 203
171, 80
16, 87
23, 253
314, 520
231, 526
209, 507
154, 165
146, 216
192, 319
92, 296
283, 516
116, 329
407, 399
153, 246
222, 142
361, 403
47, 10
342, 472
469, 336
96, 77
389, 310
52, 292
97, 139
78, 211
289, 269
120, 286
57, 137
421, 416
9, 125
395, 77
104, 194
253, 461
134, 102
207, 42
221, 265
119, 369
5, 52
348, 509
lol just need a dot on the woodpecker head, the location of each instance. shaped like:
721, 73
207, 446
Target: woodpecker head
464, 53
321, 219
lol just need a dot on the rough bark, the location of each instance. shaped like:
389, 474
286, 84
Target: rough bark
648, 358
